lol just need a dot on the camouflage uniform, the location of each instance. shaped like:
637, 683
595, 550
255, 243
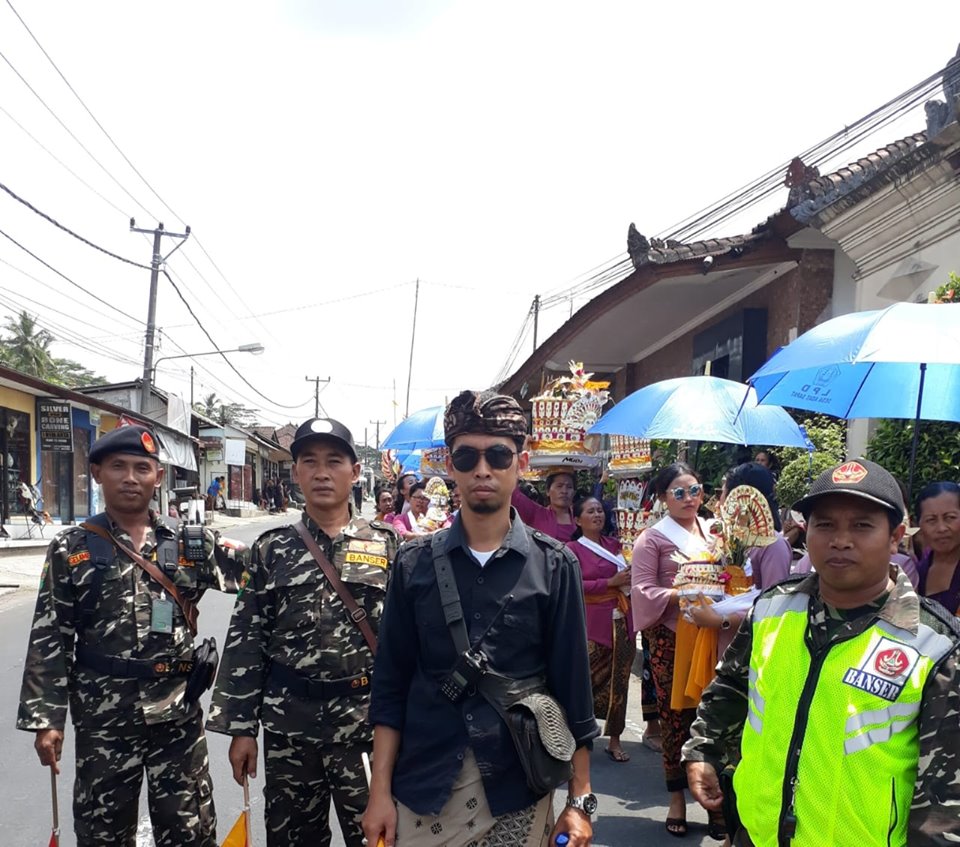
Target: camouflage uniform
123, 725
290, 616
716, 733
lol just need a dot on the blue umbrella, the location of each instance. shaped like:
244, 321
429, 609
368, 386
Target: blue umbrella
898, 362
701, 408
420, 431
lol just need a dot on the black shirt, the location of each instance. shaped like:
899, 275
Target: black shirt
541, 630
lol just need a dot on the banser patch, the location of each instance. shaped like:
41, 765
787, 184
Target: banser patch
366, 559
884, 670
78, 558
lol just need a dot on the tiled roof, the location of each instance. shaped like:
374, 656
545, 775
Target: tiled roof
656, 251
813, 196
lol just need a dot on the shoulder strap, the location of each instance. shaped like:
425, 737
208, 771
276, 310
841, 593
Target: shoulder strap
356, 614
189, 608
101, 554
449, 594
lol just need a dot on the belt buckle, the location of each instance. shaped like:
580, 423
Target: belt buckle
358, 615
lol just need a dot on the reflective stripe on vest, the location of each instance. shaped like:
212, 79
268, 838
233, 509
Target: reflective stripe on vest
859, 749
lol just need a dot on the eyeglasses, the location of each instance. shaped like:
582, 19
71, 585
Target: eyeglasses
680, 492
499, 457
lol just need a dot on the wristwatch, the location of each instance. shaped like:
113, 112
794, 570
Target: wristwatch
586, 803
725, 623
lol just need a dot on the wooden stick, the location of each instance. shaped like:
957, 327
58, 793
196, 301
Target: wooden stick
56, 810
246, 806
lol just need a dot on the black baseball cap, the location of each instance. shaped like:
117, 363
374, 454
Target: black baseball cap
858, 478
317, 429
133, 439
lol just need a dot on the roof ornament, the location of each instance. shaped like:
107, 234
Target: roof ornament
637, 246
798, 175
939, 113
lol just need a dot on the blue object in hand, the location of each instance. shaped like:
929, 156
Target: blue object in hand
562, 840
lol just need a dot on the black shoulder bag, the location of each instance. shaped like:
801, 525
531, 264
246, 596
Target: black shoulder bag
536, 721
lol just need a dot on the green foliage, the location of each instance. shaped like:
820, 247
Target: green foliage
949, 292
226, 414
798, 467
25, 347
938, 450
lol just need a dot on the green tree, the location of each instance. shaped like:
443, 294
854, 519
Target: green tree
208, 406
799, 467
72, 374
26, 347
938, 450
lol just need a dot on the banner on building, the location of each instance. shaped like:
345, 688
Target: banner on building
54, 425
236, 449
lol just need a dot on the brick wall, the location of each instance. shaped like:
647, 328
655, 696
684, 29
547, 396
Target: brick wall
794, 300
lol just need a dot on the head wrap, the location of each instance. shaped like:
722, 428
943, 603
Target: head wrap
483, 412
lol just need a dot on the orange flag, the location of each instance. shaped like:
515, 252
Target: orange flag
238, 836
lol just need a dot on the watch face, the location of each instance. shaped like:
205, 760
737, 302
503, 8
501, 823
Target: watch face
590, 804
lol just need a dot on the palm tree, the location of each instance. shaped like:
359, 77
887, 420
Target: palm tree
209, 405
26, 347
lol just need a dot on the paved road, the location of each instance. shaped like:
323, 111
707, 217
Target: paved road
631, 794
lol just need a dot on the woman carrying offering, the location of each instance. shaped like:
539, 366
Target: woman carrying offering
556, 519
611, 638
656, 607
408, 524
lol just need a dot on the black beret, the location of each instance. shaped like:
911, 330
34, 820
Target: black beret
134, 439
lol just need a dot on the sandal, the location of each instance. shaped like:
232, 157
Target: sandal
677, 827
618, 755
652, 742
717, 827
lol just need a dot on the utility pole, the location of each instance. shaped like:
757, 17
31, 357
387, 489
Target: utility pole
536, 320
155, 262
413, 338
378, 432
316, 393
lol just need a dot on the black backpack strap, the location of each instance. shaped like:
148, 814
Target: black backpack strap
449, 594
102, 555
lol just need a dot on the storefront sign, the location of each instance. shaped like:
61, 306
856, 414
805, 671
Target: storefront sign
54, 425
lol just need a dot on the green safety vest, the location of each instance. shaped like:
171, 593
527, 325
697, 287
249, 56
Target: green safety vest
830, 745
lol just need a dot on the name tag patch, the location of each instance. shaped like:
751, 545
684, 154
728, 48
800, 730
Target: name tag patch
366, 559
78, 558
884, 670
359, 545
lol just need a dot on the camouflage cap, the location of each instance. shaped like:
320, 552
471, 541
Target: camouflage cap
858, 478
484, 412
134, 440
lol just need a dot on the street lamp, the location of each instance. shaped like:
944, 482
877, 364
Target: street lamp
255, 347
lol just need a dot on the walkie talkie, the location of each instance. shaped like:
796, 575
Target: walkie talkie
466, 673
193, 544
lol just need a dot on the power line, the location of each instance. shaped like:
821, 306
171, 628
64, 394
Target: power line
92, 116
69, 231
217, 346
60, 162
69, 132
72, 282
65, 296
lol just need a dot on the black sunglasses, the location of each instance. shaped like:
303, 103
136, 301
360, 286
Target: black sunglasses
499, 457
